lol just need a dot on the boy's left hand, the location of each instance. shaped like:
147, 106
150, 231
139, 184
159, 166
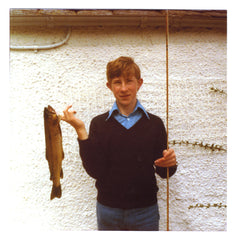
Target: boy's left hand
168, 159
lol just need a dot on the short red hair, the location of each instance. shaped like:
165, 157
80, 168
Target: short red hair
122, 66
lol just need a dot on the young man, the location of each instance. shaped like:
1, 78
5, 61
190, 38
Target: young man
124, 149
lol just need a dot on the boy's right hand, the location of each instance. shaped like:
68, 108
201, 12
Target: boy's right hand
69, 117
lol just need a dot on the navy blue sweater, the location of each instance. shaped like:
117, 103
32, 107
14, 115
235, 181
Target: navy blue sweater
122, 160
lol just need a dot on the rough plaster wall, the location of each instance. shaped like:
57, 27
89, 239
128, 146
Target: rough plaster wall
75, 73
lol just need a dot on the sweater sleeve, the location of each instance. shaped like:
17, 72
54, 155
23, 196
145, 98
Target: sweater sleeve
161, 145
162, 171
92, 154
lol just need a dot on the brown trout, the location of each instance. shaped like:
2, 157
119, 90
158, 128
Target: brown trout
54, 149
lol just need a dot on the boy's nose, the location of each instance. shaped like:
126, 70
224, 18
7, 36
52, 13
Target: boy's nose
123, 86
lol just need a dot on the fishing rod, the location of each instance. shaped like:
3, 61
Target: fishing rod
167, 106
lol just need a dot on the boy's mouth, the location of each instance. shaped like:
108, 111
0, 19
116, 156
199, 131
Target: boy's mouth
125, 96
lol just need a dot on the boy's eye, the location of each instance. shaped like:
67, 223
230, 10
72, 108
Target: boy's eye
129, 80
117, 82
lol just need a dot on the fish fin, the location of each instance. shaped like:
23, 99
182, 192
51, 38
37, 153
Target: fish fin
61, 173
46, 156
56, 192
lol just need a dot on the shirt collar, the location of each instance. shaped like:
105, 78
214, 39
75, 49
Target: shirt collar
113, 109
138, 106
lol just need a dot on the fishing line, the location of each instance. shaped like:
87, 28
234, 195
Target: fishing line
167, 106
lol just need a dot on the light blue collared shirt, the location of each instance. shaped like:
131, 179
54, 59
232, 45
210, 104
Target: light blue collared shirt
132, 119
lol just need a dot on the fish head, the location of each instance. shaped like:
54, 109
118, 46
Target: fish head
50, 114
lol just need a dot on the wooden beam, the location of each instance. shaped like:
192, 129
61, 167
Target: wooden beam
117, 17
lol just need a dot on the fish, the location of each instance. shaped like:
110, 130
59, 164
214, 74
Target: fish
54, 149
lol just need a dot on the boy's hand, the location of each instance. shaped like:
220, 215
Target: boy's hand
168, 159
69, 117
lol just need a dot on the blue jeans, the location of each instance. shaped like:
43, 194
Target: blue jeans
137, 219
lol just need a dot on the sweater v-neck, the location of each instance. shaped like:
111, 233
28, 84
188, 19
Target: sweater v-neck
131, 129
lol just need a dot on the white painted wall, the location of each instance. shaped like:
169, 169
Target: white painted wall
75, 73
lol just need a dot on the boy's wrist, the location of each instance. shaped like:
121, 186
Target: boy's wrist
82, 133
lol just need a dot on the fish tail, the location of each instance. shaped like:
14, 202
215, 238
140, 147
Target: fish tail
56, 192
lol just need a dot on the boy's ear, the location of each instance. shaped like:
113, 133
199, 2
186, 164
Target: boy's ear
109, 85
140, 81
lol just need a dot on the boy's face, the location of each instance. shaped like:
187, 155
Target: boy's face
125, 89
